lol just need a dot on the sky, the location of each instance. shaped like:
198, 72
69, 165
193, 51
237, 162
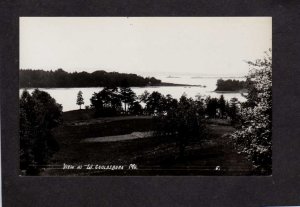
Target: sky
144, 45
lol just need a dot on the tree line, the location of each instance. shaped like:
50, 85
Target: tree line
114, 101
60, 78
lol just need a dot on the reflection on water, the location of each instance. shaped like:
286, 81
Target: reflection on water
67, 96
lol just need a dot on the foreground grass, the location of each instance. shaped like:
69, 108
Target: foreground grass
152, 156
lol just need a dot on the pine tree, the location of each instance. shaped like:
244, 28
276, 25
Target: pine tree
80, 100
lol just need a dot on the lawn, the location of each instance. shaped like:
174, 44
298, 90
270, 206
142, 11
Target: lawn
210, 155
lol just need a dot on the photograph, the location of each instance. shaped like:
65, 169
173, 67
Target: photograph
145, 96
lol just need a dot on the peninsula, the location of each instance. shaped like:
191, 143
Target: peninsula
100, 78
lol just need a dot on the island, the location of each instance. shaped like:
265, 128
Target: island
231, 85
172, 76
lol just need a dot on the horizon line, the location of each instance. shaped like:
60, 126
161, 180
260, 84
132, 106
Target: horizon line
141, 72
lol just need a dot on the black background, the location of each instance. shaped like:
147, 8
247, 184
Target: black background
282, 188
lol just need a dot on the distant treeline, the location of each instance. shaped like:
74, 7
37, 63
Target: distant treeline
230, 85
60, 79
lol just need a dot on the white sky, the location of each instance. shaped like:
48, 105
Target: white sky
197, 45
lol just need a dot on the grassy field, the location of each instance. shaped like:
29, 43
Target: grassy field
152, 156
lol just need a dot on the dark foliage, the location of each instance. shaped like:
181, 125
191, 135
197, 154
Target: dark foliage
211, 106
222, 106
154, 103
219, 108
107, 102
136, 108
39, 114
233, 111
230, 85
184, 121
60, 78
80, 100
127, 96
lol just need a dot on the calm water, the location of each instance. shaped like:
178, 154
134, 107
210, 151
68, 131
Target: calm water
67, 96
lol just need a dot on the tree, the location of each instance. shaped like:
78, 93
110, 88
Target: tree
39, 114
227, 108
184, 123
107, 102
97, 103
233, 110
221, 103
169, 103
254, 137
135, 108
211, 106
144, 96
127, 96
80, 100
154, 103
200, 105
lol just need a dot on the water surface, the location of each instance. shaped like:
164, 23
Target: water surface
67, 96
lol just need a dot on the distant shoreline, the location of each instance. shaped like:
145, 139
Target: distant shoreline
62, 79
177, 84
232, 91
163, 84
219, 77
